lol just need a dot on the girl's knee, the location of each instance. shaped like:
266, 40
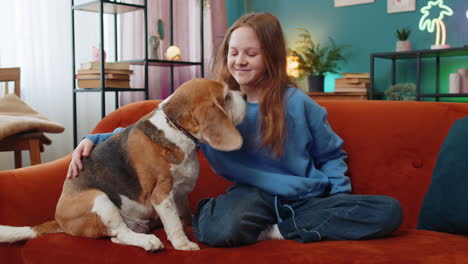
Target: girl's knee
235, 218
221, 228
221, 232
392, 213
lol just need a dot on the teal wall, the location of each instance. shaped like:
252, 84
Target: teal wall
368, 28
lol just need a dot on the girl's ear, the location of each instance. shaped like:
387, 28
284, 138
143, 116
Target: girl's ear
217, 130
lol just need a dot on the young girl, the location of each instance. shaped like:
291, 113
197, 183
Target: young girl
289, 176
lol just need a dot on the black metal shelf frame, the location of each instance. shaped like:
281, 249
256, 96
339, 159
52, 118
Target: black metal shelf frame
115, 8
418, 55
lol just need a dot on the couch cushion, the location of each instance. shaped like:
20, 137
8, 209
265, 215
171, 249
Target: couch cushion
445, 206
414, 246
11, 253
393, 146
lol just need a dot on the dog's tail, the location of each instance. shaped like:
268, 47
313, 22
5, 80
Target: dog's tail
13, 234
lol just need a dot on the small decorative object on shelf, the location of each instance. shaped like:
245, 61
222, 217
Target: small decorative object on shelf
403, 44
463, 80
96, 54
315, 60
173, 53
401, 92
427, 22
153, 45
155, 42
454, 83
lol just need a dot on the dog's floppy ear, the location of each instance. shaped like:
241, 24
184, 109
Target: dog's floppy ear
217, 130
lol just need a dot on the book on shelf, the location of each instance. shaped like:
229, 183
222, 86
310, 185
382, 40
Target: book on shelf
107, 76
352, 84
105, 71
350, 90
361, 75
351, 80
96, 83
116, 75
96, 65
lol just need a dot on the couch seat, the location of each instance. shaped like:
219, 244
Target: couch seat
404, 246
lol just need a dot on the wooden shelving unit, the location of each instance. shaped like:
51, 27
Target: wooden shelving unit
418, 55
115, 8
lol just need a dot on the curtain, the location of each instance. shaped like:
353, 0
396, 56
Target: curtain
36, 36
186, 36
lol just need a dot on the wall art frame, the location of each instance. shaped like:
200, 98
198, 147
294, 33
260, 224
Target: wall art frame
396, 6
341, 3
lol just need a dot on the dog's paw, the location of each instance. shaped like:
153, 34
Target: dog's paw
153, 244
145, 241
186, 245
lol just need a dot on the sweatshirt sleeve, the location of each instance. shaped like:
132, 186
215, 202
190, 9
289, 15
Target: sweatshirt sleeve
99, 138
327, 149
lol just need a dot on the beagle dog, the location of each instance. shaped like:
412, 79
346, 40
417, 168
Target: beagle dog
141, 176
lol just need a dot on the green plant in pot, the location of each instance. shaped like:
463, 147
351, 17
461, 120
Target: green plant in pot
403, 44
315, 60
401, 92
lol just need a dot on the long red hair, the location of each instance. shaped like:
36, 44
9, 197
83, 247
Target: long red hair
274, 83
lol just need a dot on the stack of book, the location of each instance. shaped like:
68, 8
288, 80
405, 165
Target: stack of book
353, 82
116, 75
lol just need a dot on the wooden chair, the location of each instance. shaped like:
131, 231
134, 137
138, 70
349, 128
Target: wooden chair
31, 140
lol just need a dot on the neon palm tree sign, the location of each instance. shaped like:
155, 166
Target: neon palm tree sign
426, 23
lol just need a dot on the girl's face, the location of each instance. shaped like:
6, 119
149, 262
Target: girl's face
245, 58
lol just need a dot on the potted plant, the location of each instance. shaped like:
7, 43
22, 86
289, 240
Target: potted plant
403, 44
314, 60
401, 92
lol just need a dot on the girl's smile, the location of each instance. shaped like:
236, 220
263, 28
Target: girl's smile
245, 61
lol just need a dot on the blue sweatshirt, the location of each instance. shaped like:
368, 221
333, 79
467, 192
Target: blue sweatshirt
311, 165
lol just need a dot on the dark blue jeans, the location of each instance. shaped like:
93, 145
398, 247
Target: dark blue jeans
239, 216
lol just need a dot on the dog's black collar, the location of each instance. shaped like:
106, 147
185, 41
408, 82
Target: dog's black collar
195, 140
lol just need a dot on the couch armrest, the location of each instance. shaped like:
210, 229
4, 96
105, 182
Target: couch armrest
125, 116
28, 196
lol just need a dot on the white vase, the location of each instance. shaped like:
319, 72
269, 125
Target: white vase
404, 45
454, 83
153, 47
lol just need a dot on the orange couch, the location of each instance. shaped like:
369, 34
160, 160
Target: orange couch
392, 147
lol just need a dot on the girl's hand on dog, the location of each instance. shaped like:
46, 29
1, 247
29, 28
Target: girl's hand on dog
82, 150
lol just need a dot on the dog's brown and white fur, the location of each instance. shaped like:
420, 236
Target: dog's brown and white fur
142, 175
